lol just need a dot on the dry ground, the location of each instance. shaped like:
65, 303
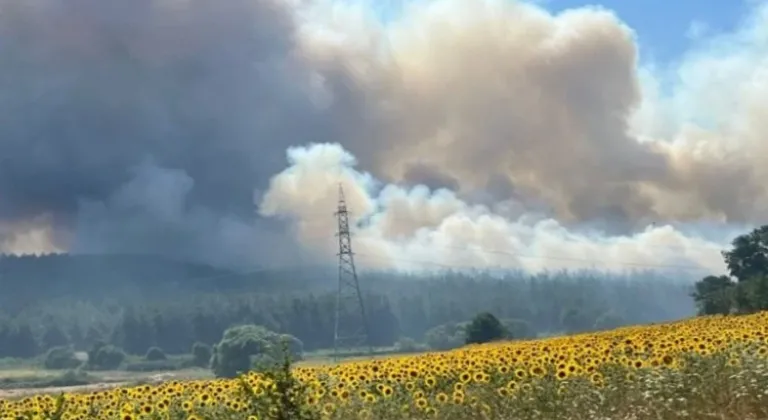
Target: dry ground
108, 379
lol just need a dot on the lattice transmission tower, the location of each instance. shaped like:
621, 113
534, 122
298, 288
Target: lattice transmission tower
351, 323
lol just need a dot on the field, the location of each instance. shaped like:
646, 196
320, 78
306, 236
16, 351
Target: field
703, 368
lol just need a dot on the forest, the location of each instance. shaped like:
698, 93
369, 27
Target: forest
137, 302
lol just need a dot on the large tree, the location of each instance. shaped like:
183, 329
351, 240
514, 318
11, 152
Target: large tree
749, 257
485, 327
714, 295
747, 262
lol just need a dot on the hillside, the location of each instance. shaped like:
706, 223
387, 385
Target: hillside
29, 279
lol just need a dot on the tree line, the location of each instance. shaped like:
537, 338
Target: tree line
399, 306
745, 288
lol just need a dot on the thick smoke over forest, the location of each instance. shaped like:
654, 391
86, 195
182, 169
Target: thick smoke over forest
483, 133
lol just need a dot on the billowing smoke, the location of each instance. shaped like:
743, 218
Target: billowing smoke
415, 228
485, 133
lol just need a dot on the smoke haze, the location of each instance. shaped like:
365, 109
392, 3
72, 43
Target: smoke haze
484, 133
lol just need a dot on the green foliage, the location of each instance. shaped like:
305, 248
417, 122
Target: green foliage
749, 257
715, 295
484, 328
62, 357
155, 354
239, 344
748, 263
752, 295
285, 400
117, 306
105, 357
201, 354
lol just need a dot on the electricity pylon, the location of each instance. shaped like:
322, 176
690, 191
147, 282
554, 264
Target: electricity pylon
350, 324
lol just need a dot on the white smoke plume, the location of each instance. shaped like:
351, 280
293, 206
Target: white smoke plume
415, 228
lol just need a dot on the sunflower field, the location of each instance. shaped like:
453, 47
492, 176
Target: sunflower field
702, 368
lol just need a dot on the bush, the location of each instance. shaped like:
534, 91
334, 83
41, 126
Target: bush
60, 358
240, 344
485, 328
285, 399
155, 354
201, 355
105, 357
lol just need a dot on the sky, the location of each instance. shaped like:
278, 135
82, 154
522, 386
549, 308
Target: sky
484, 133
665, 29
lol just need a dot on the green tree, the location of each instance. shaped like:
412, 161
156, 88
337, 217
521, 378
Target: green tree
747, 262
239, 345
485, 327
714, 295
105, 357
749, 257
752, 295
62, 357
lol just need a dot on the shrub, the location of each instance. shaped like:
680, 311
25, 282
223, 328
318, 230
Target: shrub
240, 344
485, 328
201, 354
61, 357
105, 357
285, 399
154, 354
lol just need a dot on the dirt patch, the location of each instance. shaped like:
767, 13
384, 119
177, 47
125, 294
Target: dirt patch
111, 380
8, 394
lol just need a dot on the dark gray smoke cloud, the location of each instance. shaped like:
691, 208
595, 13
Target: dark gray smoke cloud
90, 91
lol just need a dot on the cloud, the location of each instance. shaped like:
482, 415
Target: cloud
526, 129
